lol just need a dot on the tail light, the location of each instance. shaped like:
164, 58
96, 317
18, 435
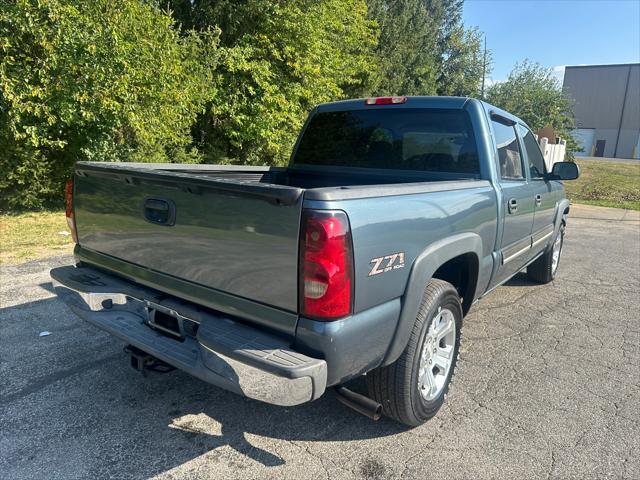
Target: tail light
326, 265
68, 197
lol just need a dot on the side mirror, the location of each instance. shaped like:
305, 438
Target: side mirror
565, 171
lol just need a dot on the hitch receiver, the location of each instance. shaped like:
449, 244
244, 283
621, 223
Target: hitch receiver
143, 362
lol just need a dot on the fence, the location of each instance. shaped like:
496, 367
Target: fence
553, 152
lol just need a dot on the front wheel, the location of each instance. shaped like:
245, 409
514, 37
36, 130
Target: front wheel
544, 269
413, 388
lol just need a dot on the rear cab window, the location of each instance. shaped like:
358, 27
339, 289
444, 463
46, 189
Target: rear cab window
419, 139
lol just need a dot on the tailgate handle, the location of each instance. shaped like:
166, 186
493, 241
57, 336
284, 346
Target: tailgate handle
160, 211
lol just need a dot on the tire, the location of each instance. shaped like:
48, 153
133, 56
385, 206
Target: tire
404, 393
544, 270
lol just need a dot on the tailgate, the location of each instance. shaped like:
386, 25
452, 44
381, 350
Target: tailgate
240, 238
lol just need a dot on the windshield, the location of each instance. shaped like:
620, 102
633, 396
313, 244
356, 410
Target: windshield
437, 140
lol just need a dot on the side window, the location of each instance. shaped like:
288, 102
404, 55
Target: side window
534, 155
509, 157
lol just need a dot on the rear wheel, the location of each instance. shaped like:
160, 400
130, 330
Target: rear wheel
544, 269
413, 388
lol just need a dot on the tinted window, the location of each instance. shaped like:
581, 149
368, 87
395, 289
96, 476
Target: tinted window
405, 138
534, 155
509, 156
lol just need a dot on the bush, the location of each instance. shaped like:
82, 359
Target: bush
101, 80
289, 57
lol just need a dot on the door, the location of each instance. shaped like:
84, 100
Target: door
599, 151
584, 137
544, 198
517, 198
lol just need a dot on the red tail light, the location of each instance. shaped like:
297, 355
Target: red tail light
385, 100
68, 197
326, 265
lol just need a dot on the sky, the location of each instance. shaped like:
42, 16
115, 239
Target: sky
556, 33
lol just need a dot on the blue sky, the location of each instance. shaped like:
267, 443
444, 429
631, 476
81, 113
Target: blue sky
557, 33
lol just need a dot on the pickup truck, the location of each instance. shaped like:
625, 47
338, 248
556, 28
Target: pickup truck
361, 257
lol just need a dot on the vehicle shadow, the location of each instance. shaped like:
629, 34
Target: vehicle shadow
520, 280
92, 393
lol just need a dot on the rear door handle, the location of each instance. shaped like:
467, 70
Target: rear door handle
538, 198
160, 211
513, 205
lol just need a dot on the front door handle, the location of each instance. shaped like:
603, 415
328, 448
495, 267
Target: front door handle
513, 205
538, 198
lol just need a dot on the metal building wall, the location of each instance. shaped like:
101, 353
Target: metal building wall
607, 100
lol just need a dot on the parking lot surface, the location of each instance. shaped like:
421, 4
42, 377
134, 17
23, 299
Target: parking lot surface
548, 386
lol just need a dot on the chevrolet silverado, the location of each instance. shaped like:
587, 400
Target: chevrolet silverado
361, 257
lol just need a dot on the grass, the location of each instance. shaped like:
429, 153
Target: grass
607, 184
34, 235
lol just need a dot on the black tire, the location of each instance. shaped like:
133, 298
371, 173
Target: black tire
396, 386
542, 271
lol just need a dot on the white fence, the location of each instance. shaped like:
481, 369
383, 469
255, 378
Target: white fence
553, 153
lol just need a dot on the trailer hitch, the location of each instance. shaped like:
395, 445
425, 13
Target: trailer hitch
143, 362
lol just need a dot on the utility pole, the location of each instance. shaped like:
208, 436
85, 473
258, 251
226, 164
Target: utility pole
484, 66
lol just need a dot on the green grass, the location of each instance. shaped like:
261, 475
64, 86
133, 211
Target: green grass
33, 235
606, 184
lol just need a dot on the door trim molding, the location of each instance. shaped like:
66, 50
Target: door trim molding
541, 235
515, 250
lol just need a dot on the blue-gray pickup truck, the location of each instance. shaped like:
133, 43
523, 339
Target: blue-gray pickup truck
361, 257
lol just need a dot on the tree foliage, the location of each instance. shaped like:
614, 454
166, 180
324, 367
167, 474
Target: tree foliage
295, 55
405, 53
462, 64
424, 48
458, 51
212, 80
93, 80
533, 94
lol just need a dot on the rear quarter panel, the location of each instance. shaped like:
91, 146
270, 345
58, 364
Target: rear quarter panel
408, 224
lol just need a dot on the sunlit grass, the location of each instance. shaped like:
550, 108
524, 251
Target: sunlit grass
33, 235
607, 184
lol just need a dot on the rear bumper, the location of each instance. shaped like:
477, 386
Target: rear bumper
220, 351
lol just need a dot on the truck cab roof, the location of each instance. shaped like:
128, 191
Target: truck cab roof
418, 102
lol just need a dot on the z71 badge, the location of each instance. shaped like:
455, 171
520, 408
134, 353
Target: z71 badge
384, 264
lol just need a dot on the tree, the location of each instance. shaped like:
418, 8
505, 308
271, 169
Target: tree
203, 80
94, 80
462, 64
533, 94
406, 47
424, 48
459, 50
277, 60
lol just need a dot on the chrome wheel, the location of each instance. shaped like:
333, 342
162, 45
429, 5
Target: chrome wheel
437, 354
557, 247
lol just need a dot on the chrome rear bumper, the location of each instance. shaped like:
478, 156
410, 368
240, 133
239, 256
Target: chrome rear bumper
221, 351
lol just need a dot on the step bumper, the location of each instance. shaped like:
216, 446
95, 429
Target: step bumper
216, 349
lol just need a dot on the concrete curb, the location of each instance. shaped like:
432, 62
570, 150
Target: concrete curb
604, 213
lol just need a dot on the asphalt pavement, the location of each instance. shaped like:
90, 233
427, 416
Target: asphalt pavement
548, 386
